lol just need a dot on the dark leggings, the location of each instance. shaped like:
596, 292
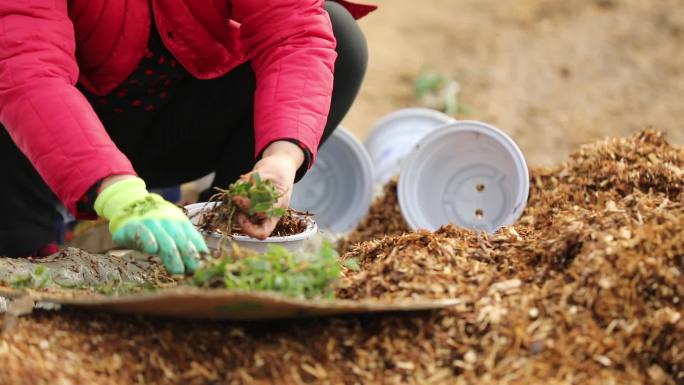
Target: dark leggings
206, 126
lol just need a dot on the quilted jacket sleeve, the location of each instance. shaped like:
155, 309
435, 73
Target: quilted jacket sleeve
46, 116
292, 49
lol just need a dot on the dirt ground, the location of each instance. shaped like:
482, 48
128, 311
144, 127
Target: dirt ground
553, 74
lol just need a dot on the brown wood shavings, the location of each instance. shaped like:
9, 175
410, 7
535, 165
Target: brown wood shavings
588, 288
383, 219
419, 264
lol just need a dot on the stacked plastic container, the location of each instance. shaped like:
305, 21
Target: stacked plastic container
395, 136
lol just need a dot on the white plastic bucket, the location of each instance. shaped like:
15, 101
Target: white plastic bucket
338, 189
396, 134
467, 173
216, 240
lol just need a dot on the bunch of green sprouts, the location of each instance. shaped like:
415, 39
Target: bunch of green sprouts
38, 279
262, 196
41, 278
294, 274
299, 275
440, 92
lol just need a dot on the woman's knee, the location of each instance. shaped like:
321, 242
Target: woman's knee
352, 49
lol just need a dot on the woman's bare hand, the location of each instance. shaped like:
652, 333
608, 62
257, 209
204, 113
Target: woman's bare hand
279, 164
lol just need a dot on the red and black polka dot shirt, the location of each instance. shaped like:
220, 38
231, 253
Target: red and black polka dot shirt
149, 86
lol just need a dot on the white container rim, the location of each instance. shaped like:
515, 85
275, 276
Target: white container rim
381, 123
353, 217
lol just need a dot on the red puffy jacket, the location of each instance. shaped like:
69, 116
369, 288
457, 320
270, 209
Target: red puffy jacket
46, 46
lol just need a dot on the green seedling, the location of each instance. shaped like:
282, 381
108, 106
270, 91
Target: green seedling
441, 92
428, 83
262, 196
295, 274
261, 193
41, 278
35, 280
298, 275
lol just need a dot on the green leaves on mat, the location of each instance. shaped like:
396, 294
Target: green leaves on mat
36, 280
297, 275
41, 278
294, 274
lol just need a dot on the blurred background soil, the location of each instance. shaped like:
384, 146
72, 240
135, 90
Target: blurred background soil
553, 74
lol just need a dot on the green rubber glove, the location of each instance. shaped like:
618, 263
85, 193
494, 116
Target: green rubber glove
146, 222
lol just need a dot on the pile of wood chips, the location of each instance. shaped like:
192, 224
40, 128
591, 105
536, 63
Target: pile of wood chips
383, 219
587, 288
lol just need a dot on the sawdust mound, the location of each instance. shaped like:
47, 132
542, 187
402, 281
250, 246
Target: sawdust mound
591, 279
587, 288
383, 219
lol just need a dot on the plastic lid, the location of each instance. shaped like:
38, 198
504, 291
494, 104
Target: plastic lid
339, 187
396, 134
467, 173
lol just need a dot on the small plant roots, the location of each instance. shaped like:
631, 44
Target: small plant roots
262, 196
